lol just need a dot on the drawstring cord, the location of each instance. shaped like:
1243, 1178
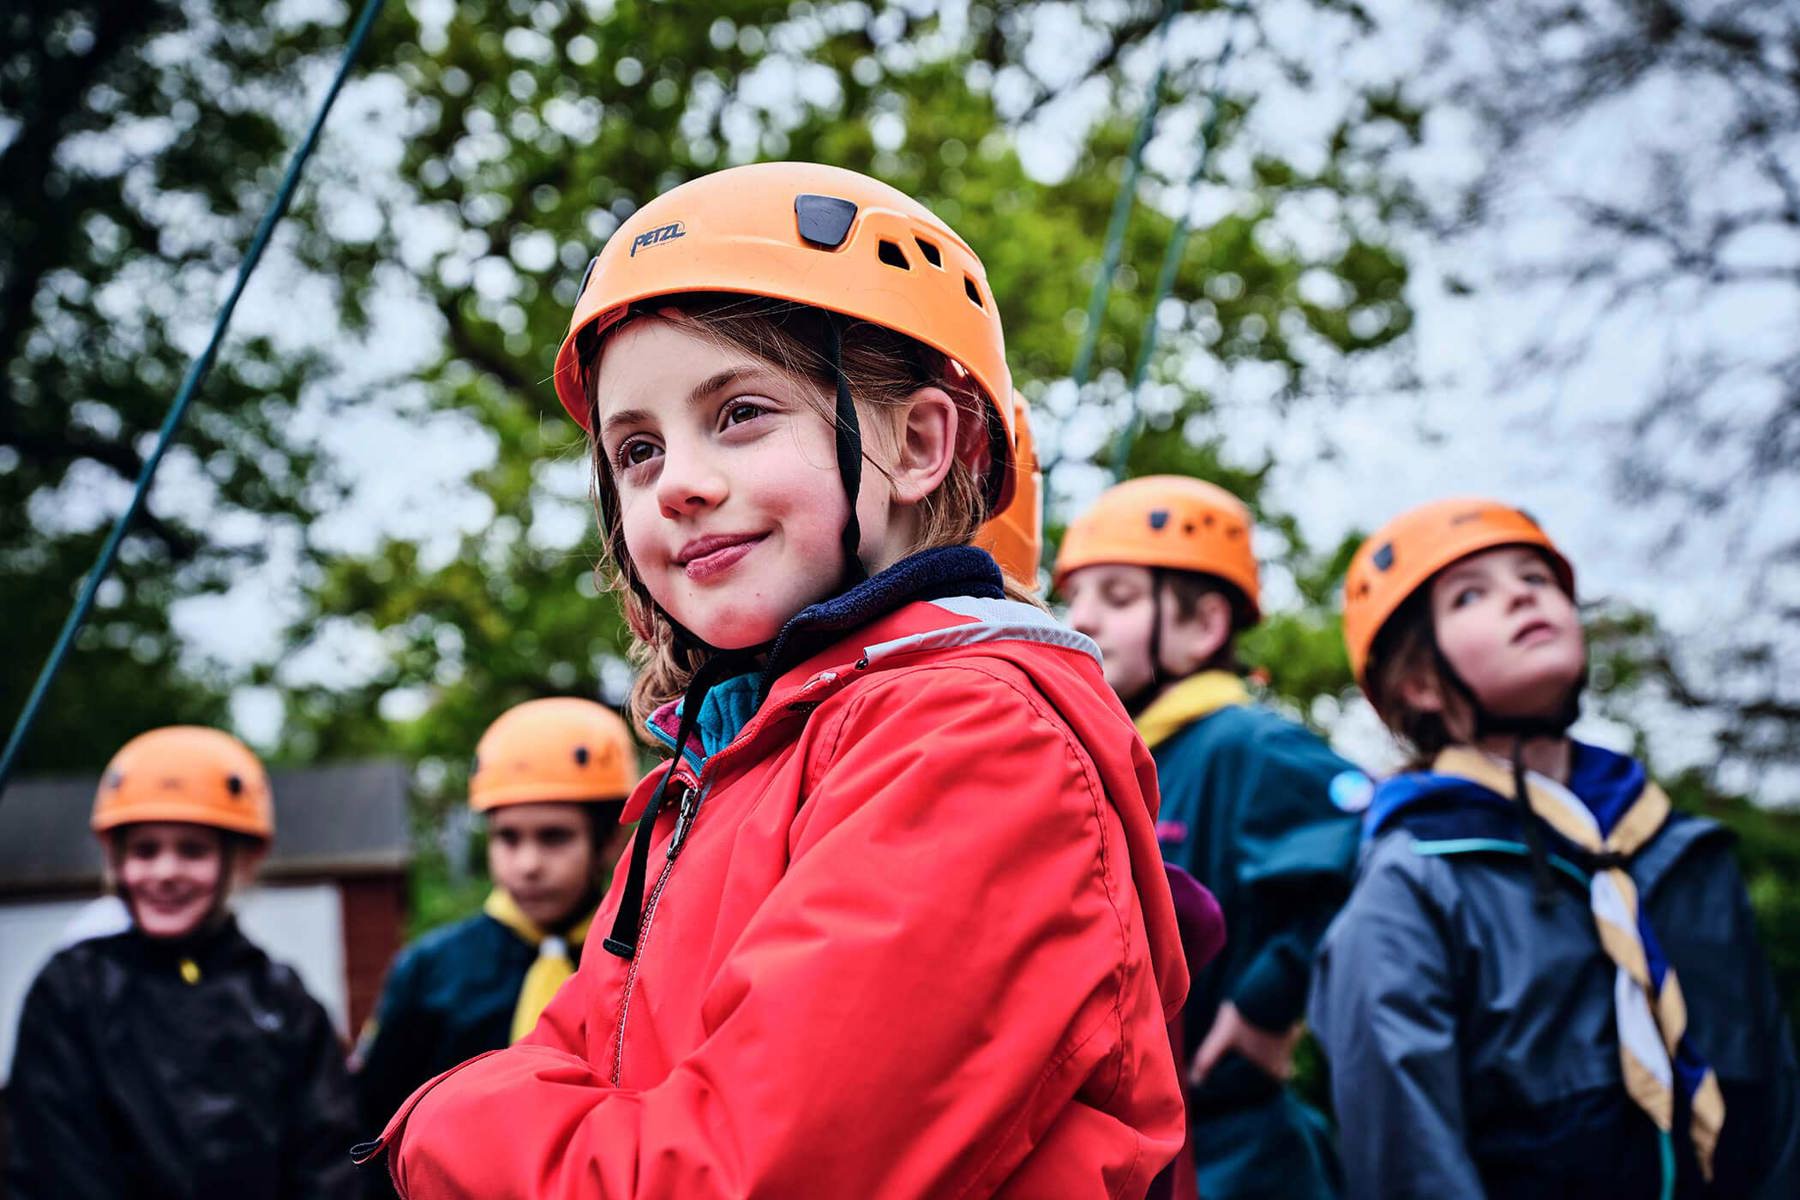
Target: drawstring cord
1544, 893
623, 941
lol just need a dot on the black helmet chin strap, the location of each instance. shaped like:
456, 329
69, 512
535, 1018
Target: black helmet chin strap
1141, 699
849, 455
722, 664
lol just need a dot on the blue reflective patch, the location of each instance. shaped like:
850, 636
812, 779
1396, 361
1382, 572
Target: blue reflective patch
1351, 790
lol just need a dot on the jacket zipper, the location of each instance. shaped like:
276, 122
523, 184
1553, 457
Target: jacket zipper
686, 810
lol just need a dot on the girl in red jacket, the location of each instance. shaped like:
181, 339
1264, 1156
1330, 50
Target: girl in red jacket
894, 923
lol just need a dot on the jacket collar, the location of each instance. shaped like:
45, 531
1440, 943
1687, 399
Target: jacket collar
1186, 701
932, 600
1605, 783
1453, 809
927, 575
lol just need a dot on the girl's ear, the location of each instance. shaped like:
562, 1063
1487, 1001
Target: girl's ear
246, 862
1421, 692
1198, 638
929, 432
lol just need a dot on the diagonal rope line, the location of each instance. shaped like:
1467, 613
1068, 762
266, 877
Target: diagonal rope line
1121, 211
197, 372
1171, 264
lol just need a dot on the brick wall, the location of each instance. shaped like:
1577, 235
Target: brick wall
374, 922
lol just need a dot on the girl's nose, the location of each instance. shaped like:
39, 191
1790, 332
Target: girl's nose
1520, 594
688, 482
1081, 617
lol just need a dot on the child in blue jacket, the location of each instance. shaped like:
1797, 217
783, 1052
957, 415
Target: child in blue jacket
1547, 983
1160, 573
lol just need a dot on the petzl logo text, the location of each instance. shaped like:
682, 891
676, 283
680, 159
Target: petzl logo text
656, 237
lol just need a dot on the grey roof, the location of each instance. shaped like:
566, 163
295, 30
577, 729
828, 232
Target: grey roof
344, 819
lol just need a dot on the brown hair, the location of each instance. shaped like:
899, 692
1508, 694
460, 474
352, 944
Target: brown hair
883, 369
1406, 648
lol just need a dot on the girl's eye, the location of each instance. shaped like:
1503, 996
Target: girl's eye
1537, 578
737, 412
633, 452
1466, 596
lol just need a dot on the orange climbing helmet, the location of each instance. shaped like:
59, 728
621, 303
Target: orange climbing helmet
186, 773
813, 234
1015, 534
1170, 522
1402, 556
558, 749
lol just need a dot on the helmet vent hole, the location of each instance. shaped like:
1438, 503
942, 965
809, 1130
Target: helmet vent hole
581, 756
974, 292
234, 784
930, 251
891, 254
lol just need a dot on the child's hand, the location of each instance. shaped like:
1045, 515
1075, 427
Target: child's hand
1273, 1053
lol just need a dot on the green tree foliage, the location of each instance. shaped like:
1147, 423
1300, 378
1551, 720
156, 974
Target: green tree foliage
532, 130
138, 145
1768, 853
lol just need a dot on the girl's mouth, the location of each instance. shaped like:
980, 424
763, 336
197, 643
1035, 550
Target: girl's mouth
1534, 631
709, 557
168, 904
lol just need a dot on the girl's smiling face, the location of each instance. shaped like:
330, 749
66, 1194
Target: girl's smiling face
726, 483
170, 873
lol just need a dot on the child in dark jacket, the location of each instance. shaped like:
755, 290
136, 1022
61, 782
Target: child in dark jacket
171, 1057
1547, 982
550, 779
1161, 574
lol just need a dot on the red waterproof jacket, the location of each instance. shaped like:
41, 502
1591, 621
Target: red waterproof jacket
914, 940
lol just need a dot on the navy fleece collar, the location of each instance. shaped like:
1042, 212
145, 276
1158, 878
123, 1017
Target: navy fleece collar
927, 575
